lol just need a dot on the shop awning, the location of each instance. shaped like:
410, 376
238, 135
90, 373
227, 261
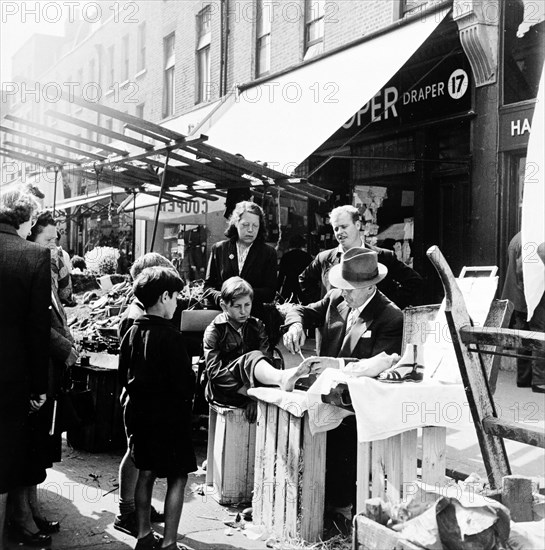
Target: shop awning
284, 119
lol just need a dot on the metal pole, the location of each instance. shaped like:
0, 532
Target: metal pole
133, 247
163, 180
55, 190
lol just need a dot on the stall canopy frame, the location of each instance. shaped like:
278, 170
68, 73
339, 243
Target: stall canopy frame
138, 158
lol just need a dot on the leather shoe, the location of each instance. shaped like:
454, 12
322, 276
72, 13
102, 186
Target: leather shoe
16, 533
538, 388
47, 527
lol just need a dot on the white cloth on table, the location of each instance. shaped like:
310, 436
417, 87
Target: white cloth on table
382, 410
321, 416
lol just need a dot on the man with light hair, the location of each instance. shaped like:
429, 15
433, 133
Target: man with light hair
402, 285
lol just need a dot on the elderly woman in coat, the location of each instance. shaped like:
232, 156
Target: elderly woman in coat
25, 297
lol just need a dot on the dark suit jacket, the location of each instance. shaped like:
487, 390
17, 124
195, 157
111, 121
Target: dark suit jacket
260, 269
402, 285
25, 321
378, 328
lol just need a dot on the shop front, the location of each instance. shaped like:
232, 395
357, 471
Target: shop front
522, 55
185, 230
404, 160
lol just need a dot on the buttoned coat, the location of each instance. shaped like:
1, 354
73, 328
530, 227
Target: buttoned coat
260, 270
378, 328
25, 322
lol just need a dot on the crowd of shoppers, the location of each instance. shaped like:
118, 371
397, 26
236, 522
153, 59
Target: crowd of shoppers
352, 292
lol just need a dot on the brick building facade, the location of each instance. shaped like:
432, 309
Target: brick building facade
448, 171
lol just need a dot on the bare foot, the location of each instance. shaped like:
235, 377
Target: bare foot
289, 377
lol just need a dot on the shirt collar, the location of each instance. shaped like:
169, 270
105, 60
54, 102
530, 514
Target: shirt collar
366, 303
340, 250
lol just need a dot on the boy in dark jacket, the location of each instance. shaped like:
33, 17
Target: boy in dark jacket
236, 352
156, 371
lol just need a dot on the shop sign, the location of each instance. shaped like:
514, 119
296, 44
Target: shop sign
186, 207
441, 91
515, 127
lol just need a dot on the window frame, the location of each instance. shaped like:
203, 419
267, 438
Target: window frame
202, 55
314, 20
111, 65
169, 74
141, 48
263, 36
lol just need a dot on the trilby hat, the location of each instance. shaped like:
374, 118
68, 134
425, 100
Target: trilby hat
359, 268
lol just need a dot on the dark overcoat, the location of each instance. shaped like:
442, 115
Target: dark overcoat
260, 270
25, 322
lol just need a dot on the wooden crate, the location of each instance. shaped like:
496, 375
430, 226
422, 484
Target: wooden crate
106, 432
387, 468
230, 455
369, 535
289, 486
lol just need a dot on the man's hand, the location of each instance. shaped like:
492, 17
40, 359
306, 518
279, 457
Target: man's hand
72, 357
295, 338
317, 365
36, 403
250, 412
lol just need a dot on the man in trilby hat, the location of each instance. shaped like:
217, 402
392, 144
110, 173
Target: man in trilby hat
358, 322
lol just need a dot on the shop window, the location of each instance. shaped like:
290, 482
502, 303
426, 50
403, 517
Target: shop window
169, 44
141, 48
314, 27
263, 46
204, 34
517, 169
410, 7
383, 158
523, 49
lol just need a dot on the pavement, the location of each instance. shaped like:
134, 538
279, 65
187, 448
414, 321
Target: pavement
81, 491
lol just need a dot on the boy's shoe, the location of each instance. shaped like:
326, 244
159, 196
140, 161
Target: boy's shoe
151, 541
157, 517
127, 524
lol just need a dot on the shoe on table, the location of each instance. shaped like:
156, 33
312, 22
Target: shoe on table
126, 523
151, 541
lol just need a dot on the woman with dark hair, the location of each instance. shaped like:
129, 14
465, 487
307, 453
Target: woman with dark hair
25, 297
243, 254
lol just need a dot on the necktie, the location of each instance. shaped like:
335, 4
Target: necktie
353, 315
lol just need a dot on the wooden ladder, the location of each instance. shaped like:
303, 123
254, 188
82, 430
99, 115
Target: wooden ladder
470, 343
